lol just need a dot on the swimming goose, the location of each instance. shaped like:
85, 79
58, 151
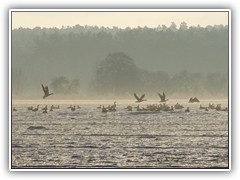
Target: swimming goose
35, 109
30, 108
73, 108
187, 110
45, 108
46, 92
104, 110
139, 99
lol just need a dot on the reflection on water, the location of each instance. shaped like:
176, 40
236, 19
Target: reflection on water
88, 138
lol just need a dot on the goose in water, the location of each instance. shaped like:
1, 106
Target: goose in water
202, 107
35, 109
162, 97
45, 111
187, 110
45, 108
104, 110
139, 99
178, 106
73, 108
99, 107
30, 108
46, 92
55, 107
69, 107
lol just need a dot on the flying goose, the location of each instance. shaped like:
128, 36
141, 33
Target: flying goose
192, 100
139, 99
46, 91
162, 97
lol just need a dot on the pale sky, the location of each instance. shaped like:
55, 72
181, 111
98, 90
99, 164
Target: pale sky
119, 19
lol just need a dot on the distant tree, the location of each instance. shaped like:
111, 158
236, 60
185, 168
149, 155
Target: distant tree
74, 86
173, 27
216, 84
117, 74
60, 85
183, 26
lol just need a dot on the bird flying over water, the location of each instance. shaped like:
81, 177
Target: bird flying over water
162, 97
139, 99
46, 92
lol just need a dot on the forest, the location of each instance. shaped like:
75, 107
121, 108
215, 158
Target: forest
101, 62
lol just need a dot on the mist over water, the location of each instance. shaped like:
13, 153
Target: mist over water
88, 62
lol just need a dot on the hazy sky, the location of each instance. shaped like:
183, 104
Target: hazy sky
119, 19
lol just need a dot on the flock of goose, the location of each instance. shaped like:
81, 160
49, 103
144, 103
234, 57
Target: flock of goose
149, 107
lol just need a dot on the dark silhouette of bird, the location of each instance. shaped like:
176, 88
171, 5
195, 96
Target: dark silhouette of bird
35, 109
162, 97
46, 92
139, 99
193, 100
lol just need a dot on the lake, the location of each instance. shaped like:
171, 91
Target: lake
88, 138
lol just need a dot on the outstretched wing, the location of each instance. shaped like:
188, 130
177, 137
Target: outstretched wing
44, 90
164, 96
135, 95
142, 97
161, 97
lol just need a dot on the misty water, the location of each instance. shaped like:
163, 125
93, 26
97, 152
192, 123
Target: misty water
88, 138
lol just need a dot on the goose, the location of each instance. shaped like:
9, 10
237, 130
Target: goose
201, 107
35, 109
104, 110
114, 105
211, 106
129, 108
192, 100
45, 111
14, 109
73, 108
162, 97
139, 99
51, 108
46, 91
99, 107
45, 108
30, 108
187, 110
225, 109
69, 107
178, 106
55, 107
218, 107
78, 107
